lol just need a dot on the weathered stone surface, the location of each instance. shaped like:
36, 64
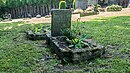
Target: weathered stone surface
74, 55
81, 4
61, 20
35, 36
84, 3
92, 2
48, 37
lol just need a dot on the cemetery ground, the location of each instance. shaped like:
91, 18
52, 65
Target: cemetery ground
124, 12
19, 55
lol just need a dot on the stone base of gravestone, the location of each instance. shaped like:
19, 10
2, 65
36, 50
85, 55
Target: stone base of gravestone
61, 20
35, 36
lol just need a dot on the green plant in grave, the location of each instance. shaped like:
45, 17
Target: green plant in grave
77, 42
68, 33
81, 43
38, 29
74, 38
40, 26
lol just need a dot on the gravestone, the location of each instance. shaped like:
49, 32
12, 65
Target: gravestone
61, 20
84, 3
92, 2
81, 4
9, 17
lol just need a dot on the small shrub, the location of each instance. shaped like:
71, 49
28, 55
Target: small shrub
1, 19
114, 8
62, 5
73, 40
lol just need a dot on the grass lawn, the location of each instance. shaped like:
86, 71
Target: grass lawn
19, 55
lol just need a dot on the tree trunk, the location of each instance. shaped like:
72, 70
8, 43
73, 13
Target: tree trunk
43, 10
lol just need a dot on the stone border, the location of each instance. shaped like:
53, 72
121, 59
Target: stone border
73, 55
35, 36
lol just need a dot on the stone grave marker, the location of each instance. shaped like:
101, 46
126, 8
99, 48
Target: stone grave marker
61, 20
81, 4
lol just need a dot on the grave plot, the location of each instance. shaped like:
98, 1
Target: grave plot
37, 33
63, 42
76, 52
67, 48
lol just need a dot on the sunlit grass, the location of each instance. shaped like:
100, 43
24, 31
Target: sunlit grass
18, 55
114, 31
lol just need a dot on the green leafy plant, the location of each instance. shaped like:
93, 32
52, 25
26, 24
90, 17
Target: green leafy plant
76, 42
74, 3
62, 5
38, 28
80, 43
74, 38
114, 8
